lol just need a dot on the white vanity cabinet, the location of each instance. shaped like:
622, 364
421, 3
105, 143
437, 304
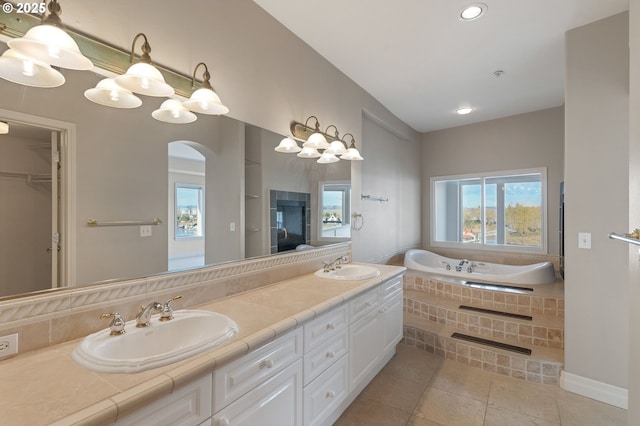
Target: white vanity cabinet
375, 329
307, 377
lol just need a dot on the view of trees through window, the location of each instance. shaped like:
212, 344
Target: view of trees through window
189, 211
491, 210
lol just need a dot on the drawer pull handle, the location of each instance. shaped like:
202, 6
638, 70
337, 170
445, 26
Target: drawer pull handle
331, 326
382, 310
330, 394
223, 421
331, 354
268, 363
368, 304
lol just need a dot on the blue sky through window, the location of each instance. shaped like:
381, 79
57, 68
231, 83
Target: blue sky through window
527, 194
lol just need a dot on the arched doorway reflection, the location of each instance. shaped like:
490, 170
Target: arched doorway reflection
187, 178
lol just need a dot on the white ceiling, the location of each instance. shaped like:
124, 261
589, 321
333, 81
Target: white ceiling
419, 60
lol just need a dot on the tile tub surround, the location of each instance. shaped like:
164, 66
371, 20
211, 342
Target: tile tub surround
66, 393
432, 314
67, 314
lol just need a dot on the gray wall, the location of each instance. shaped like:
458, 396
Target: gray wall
597, 200
518, 142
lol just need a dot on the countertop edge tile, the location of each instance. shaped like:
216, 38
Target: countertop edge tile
140, 395
103, 412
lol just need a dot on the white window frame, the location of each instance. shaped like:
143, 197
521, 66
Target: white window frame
543, 248
346, 209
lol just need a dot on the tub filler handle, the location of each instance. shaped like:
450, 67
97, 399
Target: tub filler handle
631, 238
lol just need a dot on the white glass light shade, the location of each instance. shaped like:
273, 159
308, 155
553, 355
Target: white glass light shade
327, 158
336, 148
172, 111
309, 152
108, 93
145, 79
288, 145
352, 154
317, 141
51, 45
206, 101
4, 128
20, 69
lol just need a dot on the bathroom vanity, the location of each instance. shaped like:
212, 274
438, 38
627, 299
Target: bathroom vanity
306, 348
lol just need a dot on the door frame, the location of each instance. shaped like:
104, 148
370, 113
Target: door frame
67, 205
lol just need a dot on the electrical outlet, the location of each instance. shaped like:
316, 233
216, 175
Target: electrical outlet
8, 345
145, 231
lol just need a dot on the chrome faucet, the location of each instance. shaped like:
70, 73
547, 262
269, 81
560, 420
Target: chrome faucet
333, 265
144, 316
461, 264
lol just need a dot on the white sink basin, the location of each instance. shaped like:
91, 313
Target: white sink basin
349, 272
190, 332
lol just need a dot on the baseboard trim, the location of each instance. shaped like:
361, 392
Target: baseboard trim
603, 392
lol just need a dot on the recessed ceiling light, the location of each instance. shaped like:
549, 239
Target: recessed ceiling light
473, 11
464, 110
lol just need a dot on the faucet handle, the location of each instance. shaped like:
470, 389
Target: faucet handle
117, 324
167, 311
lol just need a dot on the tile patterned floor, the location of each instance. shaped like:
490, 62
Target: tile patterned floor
417, 388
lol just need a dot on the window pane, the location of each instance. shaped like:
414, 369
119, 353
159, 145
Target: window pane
471, 213
188, 212
523, 213
490, 214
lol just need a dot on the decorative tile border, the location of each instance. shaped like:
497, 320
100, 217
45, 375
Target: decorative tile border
59, 303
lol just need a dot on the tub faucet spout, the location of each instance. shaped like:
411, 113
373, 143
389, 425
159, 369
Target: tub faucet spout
461, 264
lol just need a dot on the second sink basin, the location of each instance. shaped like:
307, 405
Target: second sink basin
350, 272
190, 332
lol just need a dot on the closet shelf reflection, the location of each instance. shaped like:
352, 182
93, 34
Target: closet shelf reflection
28, 177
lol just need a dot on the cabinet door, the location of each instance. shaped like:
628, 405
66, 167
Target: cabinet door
277, 402
365, 348
391, 323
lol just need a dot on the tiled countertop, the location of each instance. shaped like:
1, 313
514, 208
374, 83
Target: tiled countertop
47, 387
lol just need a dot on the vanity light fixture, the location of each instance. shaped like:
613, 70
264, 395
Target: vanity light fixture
205, 100
20, 69
172, 111
473, 11
317, 141
50, 43
108, 93
142, 77
4, 127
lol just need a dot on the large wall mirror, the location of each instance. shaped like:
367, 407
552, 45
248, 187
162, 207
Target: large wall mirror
214, 184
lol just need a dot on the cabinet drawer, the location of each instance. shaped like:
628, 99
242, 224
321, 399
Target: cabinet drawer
317, 361
362, 304
326, 393
188, 405
276, 402
388, 289
324, 328
234, 380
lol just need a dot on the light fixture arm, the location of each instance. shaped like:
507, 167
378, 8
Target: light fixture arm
146, 49
206, 77
353, 140
317, 127
336, 135
53, 18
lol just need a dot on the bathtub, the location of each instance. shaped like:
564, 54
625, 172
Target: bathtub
534, 274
